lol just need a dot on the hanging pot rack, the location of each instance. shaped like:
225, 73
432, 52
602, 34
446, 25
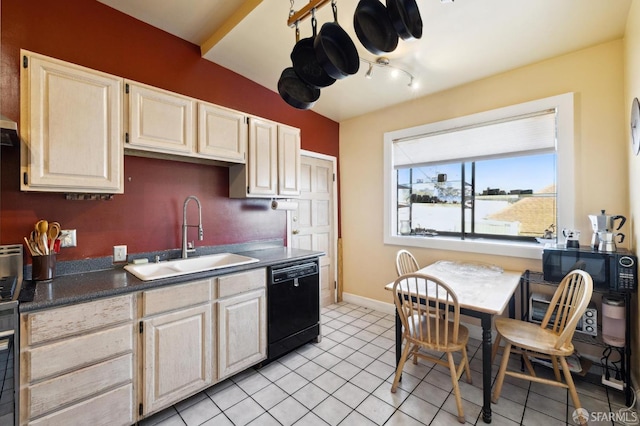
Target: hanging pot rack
306, 11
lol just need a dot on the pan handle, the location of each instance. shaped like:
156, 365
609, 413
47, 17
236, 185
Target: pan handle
314, 22
334, 7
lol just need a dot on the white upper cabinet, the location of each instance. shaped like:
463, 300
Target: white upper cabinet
263, 157
222, 133
71, 127
159, 120
288, 161
273, 164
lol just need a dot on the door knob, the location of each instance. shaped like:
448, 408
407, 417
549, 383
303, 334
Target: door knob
295, 232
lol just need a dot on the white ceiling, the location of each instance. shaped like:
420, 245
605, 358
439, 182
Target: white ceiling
462, 41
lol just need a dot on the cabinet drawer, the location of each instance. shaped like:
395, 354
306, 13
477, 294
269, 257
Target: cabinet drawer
46, 396
175, 297
113, 408
229, 285
48, 360
70, 320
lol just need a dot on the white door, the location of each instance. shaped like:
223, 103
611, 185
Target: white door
313, 223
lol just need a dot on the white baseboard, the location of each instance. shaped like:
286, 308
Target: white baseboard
475, 331
387, 308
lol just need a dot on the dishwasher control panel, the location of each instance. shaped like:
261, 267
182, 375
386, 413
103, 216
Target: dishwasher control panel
289, 272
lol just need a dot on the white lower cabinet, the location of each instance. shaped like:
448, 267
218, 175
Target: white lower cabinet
242, 321
242, 332
177, 356
176, 344
116, 360
78, 364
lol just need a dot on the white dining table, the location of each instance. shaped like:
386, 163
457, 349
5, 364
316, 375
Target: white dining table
483, 291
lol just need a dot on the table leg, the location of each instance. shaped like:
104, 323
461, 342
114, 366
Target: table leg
398, 340
486, 367
512, 306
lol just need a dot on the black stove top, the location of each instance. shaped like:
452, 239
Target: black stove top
7, 288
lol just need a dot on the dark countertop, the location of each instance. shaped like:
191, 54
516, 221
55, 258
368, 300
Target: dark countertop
87, 286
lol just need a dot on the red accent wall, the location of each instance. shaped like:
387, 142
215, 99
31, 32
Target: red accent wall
148, 215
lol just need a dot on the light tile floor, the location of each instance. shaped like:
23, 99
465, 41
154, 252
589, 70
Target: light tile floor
346, 380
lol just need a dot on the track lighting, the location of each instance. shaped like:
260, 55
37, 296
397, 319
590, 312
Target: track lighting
383, 62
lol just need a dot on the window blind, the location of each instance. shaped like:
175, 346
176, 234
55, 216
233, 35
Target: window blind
528, 134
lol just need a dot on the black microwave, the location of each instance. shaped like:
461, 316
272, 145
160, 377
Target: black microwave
616, 271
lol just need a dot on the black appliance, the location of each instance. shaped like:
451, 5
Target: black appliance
617, 271
9, 355
11, 261
293, 299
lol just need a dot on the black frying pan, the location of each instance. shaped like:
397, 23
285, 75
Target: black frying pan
335, 50
305, 63
374, 27
296, 92
405, 17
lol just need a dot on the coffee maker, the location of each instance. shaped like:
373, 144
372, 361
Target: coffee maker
603, 225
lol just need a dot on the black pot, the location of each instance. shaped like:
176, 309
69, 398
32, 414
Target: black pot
405, 17
296, 92
335, 50
305, 63
374, 27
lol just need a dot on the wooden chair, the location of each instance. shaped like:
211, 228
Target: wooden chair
430, 316
549, 340
406, 263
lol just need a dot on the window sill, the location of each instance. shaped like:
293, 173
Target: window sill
498, 248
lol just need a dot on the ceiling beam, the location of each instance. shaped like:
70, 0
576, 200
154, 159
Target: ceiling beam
236, 17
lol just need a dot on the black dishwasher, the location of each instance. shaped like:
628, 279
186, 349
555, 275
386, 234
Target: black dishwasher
293, 298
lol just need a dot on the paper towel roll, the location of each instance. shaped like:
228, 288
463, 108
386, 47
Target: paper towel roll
284, 205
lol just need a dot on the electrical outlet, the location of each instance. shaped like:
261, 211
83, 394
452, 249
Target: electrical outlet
67, 238
119, 254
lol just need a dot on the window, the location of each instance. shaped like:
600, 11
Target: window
487, 182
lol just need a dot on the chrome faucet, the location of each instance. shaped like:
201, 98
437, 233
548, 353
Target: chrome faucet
185, 226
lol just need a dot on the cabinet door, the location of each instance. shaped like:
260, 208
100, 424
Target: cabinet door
159, 120
263, 160
288, 161
242, 332
71, 127
177, 356
222, 133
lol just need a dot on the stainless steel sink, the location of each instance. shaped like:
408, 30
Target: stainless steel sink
173, 268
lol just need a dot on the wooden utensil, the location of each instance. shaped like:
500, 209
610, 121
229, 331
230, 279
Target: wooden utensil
42, 226
53, 234
33, 241
28, 243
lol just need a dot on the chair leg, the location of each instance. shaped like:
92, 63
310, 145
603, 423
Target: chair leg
400, 366
466, 364
527, 362
572, 387
496, 346
456, 388
414, 351
556, 370
502, 372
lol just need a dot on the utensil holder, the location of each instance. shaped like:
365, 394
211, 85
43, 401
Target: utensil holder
43, 268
